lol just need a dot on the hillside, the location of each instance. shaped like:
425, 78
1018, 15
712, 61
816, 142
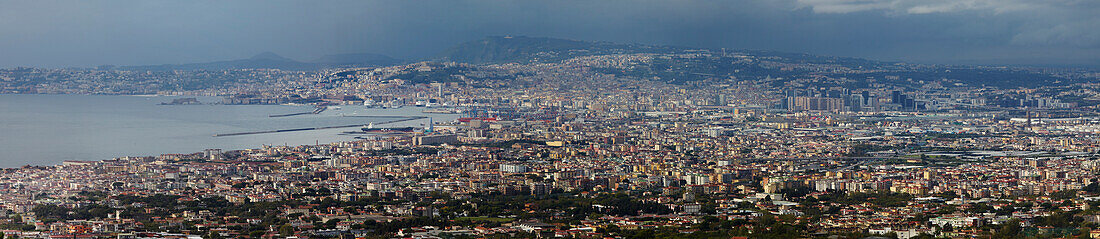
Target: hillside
357, 59
268, 60
680, 65
536, 49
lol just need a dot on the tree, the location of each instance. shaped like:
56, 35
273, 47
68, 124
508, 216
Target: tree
214, 235
979, 208
764, 221
286, 230
313, 218
294, 215
1008, 229
1063, 195
948, 227
330, 224
1093, 188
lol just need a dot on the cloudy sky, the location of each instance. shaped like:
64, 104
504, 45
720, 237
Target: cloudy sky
49, 33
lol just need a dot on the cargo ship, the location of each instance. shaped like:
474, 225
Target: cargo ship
370, 128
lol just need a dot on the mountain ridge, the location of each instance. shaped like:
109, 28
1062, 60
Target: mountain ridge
670, 64
506, 49
270, 60
682, 65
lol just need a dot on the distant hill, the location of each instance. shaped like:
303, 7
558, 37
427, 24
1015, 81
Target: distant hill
357, 59
503, 49
269, 60
724, 64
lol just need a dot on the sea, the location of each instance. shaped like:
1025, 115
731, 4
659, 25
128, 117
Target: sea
49, 129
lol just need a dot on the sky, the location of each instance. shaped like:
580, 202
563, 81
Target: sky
48, 33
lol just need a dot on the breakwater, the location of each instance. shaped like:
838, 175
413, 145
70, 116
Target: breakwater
318, 110
318, 128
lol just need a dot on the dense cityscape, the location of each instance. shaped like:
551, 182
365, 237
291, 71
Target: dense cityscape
599, 140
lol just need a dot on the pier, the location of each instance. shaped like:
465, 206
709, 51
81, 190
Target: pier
318, 128
318, 110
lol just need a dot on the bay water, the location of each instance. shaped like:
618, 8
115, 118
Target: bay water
49, 129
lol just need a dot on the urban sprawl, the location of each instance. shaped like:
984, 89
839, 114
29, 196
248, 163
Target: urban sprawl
615, 145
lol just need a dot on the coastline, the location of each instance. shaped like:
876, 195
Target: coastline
103, 127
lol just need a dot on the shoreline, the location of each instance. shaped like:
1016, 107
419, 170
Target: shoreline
80, 130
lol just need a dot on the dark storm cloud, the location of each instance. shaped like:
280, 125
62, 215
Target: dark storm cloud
87, 33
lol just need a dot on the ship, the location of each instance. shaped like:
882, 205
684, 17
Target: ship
370, 128
442, 111
392, 105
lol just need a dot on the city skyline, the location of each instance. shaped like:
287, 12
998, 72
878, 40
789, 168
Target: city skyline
839, 119
92, 33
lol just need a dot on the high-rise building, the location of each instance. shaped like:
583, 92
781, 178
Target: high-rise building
436, 139
896, 97
541, 188
803, 103
855, 102
513, 168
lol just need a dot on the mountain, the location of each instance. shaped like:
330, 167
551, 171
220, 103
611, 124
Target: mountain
357, 59
270, 56
508, 49
682, 65
266, 60
269, 60
503, 49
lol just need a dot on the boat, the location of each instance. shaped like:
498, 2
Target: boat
442, 111
370, 128
392, 105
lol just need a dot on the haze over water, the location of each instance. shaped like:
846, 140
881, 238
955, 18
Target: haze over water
49, 129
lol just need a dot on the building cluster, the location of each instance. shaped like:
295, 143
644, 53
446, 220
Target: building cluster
575, 149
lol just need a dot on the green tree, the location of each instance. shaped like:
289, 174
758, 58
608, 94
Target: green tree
1093, 188
1009, 229
923, 236
286, 230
